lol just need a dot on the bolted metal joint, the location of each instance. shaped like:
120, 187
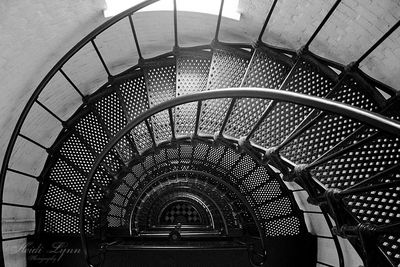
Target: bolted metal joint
362, 229
333, 194
270, 153
296, 174
351, 67
302, 51
217, 136
243, 142
175, 50
141, 61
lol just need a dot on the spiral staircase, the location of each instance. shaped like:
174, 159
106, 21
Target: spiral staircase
227, 152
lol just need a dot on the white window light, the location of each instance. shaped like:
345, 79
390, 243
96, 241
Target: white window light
202, 6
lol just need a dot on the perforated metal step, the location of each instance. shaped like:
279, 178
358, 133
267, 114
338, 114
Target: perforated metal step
261, 187
228, 68
192, 74
160, 79
305, 77
266, 69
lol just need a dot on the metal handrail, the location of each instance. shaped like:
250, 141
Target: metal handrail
374, 120
35, 96
90, 39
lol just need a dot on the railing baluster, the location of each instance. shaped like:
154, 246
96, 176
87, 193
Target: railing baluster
101, 58
176, 25
270, 107
393, 227
335, 239
219, 21
151, 132
71, 83
272, 103
373, 178
324, 159
368, 188
227, 116
126, 113
172, 123
198, 114
333, 8
301, 128
33, 141
135, 37
373, 47
267, 20
49, 111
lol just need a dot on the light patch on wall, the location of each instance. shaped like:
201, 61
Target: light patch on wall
201, 6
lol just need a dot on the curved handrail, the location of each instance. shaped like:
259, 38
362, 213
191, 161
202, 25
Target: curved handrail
90, 38
42, 85
57, 67
370, 118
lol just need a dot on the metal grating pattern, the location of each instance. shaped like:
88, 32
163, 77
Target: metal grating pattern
111, 112
245, 114
113, 117
277, 208
61, 200
279, 124
126, 148
353, 93
134, 94
64, 174
160, 82
283, 227
266, 192
185, 119
244, 167
112, 162
161, 126
102, 177
229, 159
304, 78
141, 137
212, 115
92, 132
227, 70
192, 72
161, 86
77, 153
359, 164
390, 244
320, 138
307, 78
220, 160
59, 223
377, 207
265, 71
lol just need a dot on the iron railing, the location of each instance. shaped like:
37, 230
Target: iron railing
90, 38
310, 184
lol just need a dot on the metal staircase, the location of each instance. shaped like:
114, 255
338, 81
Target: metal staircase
167, 129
